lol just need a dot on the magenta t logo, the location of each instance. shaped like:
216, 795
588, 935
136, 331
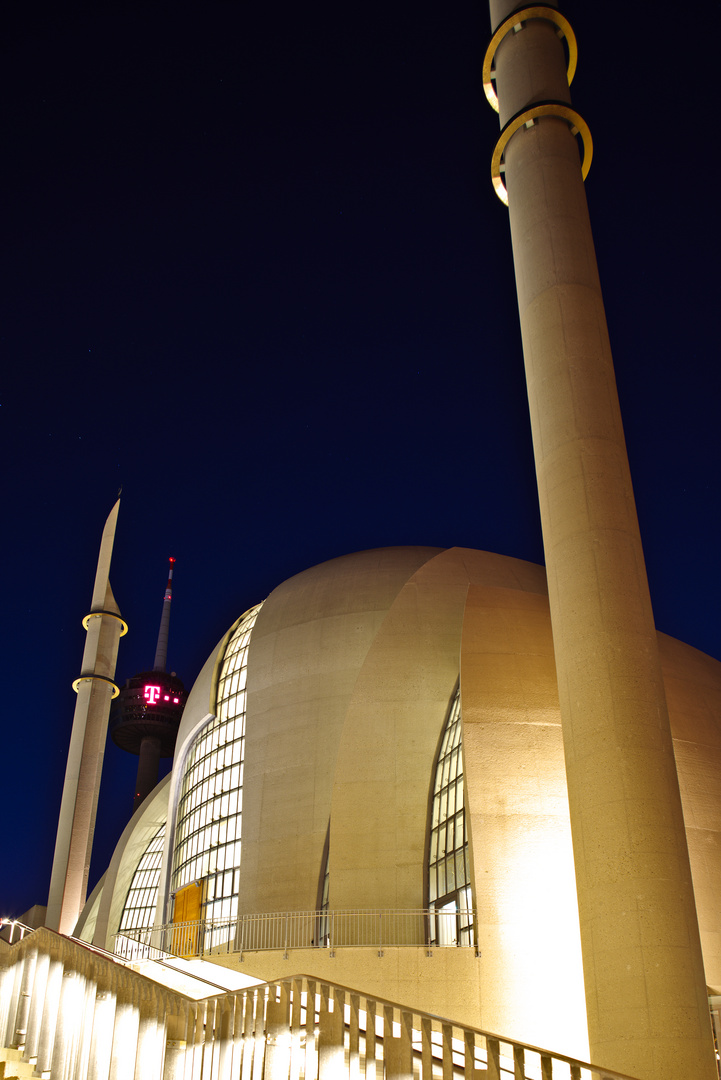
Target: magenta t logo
151, 694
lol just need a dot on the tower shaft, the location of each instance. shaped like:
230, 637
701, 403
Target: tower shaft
148, 766
645, 988
95, 688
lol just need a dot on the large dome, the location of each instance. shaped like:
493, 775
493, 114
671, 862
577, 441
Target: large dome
330, 702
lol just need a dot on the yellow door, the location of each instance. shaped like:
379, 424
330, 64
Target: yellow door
186, 920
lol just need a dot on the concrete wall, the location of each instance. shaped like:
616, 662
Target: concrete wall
446, 983
693, 692
525, 890
395, 718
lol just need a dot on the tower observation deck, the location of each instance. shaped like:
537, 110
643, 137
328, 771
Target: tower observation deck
147, 714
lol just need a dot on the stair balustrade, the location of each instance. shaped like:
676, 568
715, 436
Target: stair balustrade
73, 1013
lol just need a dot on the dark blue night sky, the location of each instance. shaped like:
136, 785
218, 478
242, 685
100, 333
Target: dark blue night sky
254, 271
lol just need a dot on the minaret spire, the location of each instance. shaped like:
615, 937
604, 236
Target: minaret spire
161, 649
95, 689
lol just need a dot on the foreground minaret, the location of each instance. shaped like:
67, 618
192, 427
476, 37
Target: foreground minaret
148, 712
95, 689
645, 990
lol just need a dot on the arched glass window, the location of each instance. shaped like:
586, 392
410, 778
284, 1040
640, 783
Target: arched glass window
323, 924
142, 895
449, 872
207, 836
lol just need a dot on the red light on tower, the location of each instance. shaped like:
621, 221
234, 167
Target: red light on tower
151, 694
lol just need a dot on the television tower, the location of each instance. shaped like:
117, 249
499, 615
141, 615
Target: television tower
95, 689
645, 989
146, 719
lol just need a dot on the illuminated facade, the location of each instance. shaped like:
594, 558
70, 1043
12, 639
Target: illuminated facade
210, 811
449, 872
382, 736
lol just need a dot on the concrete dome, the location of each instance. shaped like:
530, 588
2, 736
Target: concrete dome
351, 669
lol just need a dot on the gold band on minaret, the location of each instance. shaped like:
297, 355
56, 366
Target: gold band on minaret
527, 118
102, 678
111, 615
515, 22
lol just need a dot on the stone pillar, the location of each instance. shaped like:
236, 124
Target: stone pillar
198, 1055
46, 1041
645, 988
250, 998
176, 1043
12, 992
66, 1027
225, 1037
102, 1039
330, 1031
37, 1003
7, 980
86, 1031
19, 1035
125, 1035
151, 1030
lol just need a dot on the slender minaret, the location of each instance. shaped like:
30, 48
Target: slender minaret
95, 689
148, 712
645, 990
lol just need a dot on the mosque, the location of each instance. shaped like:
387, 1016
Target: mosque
381, 740
442, 783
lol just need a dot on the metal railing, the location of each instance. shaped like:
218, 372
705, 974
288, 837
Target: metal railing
12, 930
288, 930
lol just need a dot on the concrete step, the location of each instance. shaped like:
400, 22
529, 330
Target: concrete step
15, 1070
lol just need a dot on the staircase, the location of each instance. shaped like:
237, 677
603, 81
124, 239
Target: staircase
68, 1012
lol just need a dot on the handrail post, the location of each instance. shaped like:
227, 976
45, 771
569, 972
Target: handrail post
519, 1062
493, 1059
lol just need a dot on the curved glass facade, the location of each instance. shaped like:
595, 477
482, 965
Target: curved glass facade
449, 872
210, 806
142, 895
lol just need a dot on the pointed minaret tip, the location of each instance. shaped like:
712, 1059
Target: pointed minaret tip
106, 550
